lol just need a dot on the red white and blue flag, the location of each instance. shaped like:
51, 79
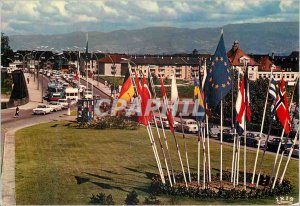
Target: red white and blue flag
282, 108
242, 106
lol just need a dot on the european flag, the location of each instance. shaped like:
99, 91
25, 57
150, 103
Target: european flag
199, 103
218, 80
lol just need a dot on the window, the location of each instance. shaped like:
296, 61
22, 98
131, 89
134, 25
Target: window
265, 75
259, 75
287, 76
278, 75
293, 76
250, 76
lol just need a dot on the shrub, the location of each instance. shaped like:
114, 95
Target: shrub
132, 198
102, 199
151, 200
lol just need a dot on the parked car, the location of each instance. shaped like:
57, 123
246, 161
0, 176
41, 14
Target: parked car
273, 145
214, 131
164, 122
188, 126
42, 109
228, 135
55, 105
87, 94
250, 141
64, 103
295, 152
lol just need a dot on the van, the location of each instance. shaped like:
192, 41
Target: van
71, 93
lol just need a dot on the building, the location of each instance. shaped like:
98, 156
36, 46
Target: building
263, 64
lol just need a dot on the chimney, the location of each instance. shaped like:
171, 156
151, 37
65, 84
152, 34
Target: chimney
162, 57
144, 57
273, 55
171, 57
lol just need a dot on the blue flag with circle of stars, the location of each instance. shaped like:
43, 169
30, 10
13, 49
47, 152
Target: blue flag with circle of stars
218, 80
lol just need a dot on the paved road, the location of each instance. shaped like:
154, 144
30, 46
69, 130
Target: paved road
97, 92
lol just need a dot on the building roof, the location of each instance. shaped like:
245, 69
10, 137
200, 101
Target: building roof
164, 60
234, 58
266, 65
110, 58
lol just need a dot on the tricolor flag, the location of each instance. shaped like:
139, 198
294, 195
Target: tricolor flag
127, 90
282, 108
168, 110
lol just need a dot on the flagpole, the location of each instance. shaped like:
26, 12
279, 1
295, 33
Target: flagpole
282, 134
238, 160
86, 58
288, 160
277, 170
208, 148
232, 124
245, 123
149, 131
176, 143
198, 154
163, 130
204, 155
185, 149
261, 128
221, 144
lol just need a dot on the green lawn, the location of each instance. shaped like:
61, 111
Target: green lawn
51, 157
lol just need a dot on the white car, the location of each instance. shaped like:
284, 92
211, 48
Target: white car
64, 103
188, 125
56, 106
164, 122
87, 94
295, 152
42, 109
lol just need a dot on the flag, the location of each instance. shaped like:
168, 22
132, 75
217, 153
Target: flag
199, 103
218, 80
168, 110
174, 91
127, 90
247, 99
240, 108
145, 96
272, 89
282, 108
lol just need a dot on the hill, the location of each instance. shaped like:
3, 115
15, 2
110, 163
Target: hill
277, 37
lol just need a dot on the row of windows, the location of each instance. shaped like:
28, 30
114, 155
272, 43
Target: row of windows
71, 94
287, 76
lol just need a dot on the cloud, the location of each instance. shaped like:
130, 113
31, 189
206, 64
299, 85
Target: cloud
59, 16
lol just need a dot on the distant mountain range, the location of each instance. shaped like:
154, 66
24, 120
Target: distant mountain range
258, 38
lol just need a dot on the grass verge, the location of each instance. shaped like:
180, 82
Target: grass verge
57, 163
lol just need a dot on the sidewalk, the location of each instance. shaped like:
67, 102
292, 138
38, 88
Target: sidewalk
98, 85
35, 96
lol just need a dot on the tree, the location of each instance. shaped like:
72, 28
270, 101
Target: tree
6, 51
132, 198
102, 199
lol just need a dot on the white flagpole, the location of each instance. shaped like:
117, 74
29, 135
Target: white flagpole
277, 170
86, 66
204, 156
221, 143
208, 149
177, 146
155, 153
198, 154
185, 148
288, 160
235, 161
262, 127
162, 127
238, 161
149, 132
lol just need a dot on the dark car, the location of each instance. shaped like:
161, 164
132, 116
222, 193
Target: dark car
274, 144
250, 141
228, 136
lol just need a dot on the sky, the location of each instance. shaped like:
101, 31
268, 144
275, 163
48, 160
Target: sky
64, 16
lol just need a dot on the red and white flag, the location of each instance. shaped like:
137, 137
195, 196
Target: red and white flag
282, 108
240, 107
145, 95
